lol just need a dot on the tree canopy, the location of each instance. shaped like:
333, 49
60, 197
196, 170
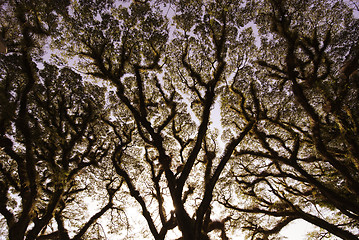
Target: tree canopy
178, 119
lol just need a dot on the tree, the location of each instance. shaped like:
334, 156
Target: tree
156, 141
302, 163
50, 135
133, 98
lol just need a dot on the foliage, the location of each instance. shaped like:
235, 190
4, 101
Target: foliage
205, 117
50, 138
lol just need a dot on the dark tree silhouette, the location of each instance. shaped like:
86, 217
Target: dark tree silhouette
212, 117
